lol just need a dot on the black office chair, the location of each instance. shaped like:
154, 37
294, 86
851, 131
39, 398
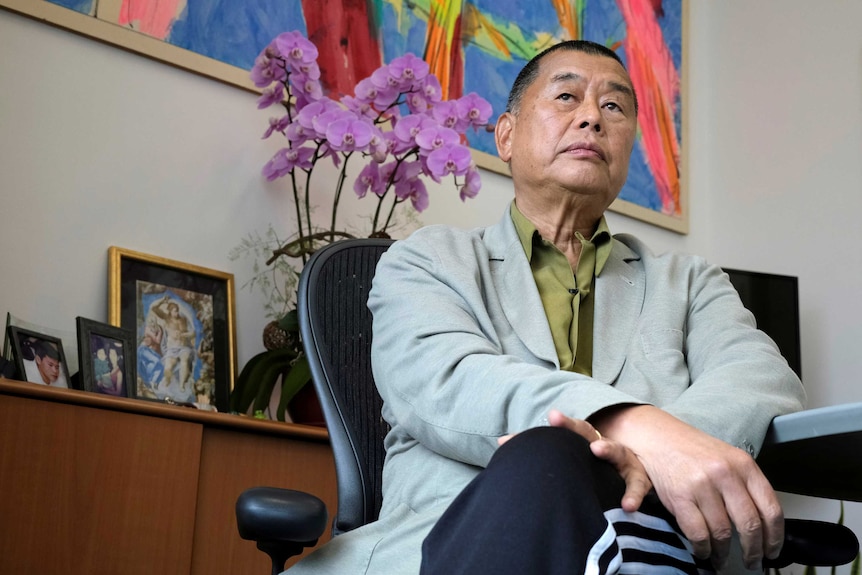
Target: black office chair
335, 325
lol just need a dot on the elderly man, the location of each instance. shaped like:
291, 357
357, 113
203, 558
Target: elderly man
562, 400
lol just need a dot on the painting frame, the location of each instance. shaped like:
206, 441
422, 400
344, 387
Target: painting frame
121, 367
22, 359
666, 206
182, 319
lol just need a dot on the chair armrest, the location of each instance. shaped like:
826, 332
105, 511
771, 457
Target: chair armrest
272, 514
816, 544
816, 452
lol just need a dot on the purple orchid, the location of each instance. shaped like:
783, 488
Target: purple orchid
370, 178
266, 71
416, 103
406, 129
381, 96
426, 139
276, 125
296, 49
270, 96
359, 107
431, 89
413, 188
349, 133
385, 80
408, 70
286, 160
434, 137
472, 183
315, 116
450, 159
446, 113
473, 109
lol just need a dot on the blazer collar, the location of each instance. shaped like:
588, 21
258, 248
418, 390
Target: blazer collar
619, 298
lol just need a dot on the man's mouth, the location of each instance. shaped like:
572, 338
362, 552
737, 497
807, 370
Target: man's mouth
585, 150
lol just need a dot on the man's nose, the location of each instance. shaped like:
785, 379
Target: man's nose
589, 116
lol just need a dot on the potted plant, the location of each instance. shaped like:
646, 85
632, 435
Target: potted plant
397, 123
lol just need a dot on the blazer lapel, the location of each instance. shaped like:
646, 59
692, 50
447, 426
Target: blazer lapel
517, 290
619, 294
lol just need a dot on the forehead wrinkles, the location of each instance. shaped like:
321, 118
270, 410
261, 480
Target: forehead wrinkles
608, 85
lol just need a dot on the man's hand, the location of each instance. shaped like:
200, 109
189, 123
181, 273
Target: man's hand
708, 485
622, 458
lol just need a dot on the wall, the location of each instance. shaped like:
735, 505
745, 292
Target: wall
101, 147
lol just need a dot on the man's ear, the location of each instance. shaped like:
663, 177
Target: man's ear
503, 136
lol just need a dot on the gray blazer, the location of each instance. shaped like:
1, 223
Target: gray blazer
462, 354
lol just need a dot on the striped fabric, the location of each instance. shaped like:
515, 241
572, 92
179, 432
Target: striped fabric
642, 544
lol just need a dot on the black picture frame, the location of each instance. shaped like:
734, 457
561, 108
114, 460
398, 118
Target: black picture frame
31, 350
107, 358
182, 319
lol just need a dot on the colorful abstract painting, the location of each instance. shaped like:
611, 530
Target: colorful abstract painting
471, 45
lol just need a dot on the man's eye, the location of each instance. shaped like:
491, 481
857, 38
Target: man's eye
613, 106
565, 96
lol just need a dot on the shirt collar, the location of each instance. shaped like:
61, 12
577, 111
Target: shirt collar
527, 234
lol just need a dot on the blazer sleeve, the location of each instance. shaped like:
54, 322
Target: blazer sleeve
738, 380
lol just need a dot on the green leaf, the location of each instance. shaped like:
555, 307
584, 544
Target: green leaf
290, 321
299, 376
255, 374
268, 379
242, 381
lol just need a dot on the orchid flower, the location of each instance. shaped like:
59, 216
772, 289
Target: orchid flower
396, 119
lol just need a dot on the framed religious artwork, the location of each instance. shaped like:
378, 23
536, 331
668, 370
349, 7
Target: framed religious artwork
106, 356
39, 358
182, 320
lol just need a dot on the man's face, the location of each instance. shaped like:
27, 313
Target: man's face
574, 129
48, 368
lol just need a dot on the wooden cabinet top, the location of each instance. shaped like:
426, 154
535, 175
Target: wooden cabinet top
157, 409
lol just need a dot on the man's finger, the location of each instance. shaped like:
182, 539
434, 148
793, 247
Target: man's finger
756, 513
637, 481
772, 516
694, 527
579, 426
503, 439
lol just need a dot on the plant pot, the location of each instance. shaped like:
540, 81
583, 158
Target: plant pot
305, 407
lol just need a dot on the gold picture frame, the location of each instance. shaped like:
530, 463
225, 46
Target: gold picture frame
182, 317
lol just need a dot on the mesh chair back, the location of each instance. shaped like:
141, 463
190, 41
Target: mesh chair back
335, 326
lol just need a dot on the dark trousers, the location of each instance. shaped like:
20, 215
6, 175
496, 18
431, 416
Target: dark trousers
542, 506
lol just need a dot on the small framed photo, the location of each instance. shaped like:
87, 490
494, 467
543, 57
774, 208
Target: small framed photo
182, 319
106, 356
39, 357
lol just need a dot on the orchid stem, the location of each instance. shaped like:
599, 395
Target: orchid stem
377, 214
298, 211
341, 177
391, 212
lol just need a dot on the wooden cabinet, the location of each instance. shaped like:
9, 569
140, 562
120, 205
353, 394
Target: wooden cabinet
91, 484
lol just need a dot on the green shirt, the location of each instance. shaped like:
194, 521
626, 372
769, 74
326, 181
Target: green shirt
566, 296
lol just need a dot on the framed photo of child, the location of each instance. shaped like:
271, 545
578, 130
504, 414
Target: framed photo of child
107, 359
39, 358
